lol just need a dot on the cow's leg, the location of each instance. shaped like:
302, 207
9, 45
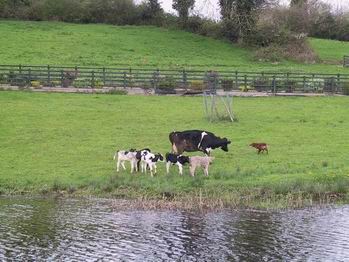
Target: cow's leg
132, 165
267, 151
192, 170
154, 166
206, 170
168, 167
180, 168
118, 166
123, 165
151, 170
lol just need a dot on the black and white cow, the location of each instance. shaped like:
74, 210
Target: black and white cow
122, 156
139, 154
197, 140
179, 160
150, 160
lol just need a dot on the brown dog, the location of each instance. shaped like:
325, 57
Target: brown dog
261, 147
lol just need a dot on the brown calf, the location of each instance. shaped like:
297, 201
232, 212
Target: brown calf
261, 147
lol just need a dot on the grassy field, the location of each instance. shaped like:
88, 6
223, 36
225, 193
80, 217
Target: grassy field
65, 142
105, 45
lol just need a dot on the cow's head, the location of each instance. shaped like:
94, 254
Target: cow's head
183, 159
225, 143
158, 157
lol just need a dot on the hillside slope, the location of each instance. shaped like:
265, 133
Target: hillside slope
106, 45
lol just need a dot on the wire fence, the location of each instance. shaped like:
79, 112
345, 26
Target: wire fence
167, 80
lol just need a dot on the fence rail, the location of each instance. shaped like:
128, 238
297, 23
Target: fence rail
168, 79
346, 61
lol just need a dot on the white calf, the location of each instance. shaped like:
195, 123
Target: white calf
123, 156
200, 161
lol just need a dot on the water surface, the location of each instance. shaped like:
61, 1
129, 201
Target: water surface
96, 230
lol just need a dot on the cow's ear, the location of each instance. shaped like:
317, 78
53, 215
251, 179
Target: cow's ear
228, 142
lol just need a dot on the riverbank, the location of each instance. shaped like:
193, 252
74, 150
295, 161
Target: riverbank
63, 144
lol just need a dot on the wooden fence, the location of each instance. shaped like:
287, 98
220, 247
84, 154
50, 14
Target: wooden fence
169, 79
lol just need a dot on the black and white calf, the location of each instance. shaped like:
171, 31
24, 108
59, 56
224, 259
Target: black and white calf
122, 156
174, 159
150, 160
140, 154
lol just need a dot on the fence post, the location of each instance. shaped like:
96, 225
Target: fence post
236, 80
104, 76
304, 83
124, 79
130, 78
184, 78
274, 85
48, 75
20, 69
93, 79
29, 76
62, 78
338, 83
245, 82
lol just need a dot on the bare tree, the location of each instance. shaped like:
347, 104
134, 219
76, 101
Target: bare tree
183, 7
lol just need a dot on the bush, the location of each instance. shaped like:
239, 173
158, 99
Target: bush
227, 84
330, 84
3, 79
55, 83
290, 86
98, 83
168, 82
244, 88
81, 82
345, 88
261, 84
36, 84
197, 84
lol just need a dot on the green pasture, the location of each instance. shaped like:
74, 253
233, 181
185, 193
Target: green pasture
54, 43
65, 142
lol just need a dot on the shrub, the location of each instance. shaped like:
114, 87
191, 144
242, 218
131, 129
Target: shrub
261, 84
227, 84
330, 84
345, 88
244, 88
197, 84
168, 82
55, 83
36, 84
98, 83
3, 79
290, 85
81, 83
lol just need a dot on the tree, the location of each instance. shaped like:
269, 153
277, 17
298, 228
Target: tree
241, 14
183, 7
298, 2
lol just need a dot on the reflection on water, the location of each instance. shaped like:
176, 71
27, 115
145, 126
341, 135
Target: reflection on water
90, 230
